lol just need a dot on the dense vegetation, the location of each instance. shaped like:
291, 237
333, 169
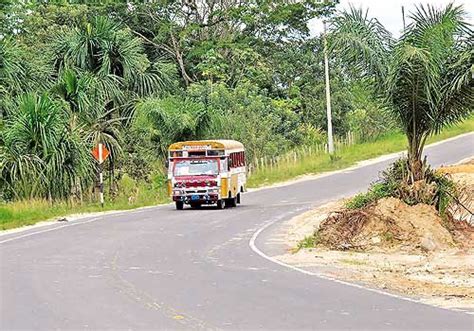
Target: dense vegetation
138, 76
425, 77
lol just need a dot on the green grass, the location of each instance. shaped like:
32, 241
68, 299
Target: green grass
375, 192
21, 213
308, 242
389, 143
28, 212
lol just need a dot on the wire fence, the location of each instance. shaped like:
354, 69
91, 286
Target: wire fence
303, 152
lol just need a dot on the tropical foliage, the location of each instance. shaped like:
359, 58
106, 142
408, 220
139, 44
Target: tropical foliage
137, 76
425, 77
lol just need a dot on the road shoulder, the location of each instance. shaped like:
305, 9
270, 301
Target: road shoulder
441, 278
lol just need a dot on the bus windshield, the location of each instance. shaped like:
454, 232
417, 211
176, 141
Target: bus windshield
196, 168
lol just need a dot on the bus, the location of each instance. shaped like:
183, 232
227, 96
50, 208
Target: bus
206, 172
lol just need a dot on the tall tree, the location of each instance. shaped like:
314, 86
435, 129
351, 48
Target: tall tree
425, 76
104, 71
41, 156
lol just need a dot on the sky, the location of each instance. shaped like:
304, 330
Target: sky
389, 12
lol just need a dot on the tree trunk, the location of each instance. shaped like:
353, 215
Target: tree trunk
415, 151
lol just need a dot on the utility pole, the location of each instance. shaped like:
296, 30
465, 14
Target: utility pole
328, 92
403, 18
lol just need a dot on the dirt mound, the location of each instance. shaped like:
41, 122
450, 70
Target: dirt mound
390, 224
467, 167
463, 175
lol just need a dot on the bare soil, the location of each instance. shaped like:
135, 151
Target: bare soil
393, 246
392, 225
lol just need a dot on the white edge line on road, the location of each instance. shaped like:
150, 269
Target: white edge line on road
304, 178
76, 219
257, 233
357, 165
48, 230
254, 248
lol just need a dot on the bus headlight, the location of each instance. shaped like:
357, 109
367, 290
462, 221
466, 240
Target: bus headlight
214, 190
178, 192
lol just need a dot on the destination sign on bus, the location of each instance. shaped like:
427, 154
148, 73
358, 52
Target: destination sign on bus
196, 147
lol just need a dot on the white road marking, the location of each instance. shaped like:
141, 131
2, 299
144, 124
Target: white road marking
49, 230
305, 178
254, 248
358, 165
257, 233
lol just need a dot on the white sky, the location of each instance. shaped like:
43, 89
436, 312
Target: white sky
389, 12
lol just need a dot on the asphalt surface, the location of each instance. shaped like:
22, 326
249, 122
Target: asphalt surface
159, 268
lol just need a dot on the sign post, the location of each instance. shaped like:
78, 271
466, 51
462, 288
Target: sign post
100, 153
101, 174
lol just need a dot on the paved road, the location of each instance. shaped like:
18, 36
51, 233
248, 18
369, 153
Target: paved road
164, 269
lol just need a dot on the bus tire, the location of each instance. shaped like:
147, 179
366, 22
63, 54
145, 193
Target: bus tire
179, 205
220, 204
232, 202
238, 198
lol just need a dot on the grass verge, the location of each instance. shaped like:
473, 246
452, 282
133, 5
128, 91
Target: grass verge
29, 212
21, 213
387, 144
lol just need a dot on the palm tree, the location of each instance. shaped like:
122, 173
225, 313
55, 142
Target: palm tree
40, 155
19, 73
104, 72
425, 76
114, 56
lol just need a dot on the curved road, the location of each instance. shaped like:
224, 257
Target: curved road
158, 268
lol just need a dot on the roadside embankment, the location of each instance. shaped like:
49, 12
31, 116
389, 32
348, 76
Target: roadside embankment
132, 195
390, 245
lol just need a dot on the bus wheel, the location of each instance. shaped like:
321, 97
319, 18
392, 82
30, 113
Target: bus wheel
179, 205
232, 202
220, 204
238, 198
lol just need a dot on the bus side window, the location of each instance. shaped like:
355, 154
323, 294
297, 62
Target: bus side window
224, 164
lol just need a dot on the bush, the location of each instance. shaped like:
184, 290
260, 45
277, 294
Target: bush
370, 123
434, 189
377, 191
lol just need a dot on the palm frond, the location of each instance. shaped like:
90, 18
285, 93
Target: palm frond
361, 41
430, 77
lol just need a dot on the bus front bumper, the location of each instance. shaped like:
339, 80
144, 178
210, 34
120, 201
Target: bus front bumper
201, 198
